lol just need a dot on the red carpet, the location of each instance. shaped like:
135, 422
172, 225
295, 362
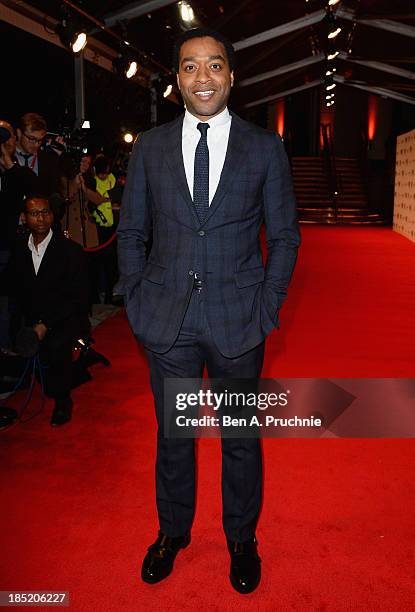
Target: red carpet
337, 530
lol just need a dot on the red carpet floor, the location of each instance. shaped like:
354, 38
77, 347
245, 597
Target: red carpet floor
337, 530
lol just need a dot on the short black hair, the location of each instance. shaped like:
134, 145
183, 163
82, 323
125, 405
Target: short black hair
35, 196
102, 164
202, 33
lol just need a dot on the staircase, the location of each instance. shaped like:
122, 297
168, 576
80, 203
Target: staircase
314, 200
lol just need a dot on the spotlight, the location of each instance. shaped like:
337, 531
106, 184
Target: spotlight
128, 138
334, 32
332, 55
333, 2
186, 12
331, 86
330, 71
86, 125
125, 66
71, 35
168, 90
131, 70
330, 96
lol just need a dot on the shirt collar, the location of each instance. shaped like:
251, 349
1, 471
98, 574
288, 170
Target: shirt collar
42, 246
23, 154
190, 121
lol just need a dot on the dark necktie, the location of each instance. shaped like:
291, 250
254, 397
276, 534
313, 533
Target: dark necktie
201, 174
26, 156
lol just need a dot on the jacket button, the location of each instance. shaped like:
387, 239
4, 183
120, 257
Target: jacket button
201, 233
191, 272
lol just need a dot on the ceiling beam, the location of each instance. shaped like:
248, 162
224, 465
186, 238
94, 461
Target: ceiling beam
282, 94
380, 91
25, 17
314, 59
136, 9
383, 24
406, 74
280, 30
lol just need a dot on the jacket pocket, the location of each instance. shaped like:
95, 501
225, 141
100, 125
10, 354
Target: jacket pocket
253, 276
154, 273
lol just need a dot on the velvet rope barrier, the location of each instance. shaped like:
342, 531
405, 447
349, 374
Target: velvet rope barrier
101, 246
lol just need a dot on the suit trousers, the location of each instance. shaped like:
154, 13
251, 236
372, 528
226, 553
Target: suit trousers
175, 463
55, 356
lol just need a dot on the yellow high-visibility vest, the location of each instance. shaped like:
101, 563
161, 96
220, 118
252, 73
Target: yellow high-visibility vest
103, 187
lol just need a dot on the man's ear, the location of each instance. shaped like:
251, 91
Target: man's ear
232, 77
19, 133
178, 80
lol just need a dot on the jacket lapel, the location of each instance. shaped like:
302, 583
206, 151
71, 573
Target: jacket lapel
174, 156
236, 151
47, 259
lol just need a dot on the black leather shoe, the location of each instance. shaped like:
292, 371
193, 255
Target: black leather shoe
62, 412
159, 560
245, 574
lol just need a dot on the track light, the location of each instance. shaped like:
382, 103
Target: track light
332, 55
331, 86
71, 35
186, 12
131, 70
125, 66
168, 90
334, 32
330, 71
333, 2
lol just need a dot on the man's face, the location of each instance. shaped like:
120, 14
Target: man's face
30, 140
204, 77
38, 216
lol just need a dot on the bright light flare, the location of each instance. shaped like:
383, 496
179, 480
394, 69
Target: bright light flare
168, 90
132, 70
79, 43
186, 12
334, 33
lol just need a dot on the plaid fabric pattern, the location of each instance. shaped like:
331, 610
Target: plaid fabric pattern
242, 298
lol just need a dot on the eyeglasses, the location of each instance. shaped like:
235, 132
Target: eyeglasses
33, 139
45, 212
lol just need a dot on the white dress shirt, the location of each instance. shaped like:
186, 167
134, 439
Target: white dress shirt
33, 163
39, 251
217, 141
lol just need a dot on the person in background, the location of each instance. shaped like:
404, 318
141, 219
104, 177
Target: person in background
106, 264
31, 135
49, 280
15, 183
105, 182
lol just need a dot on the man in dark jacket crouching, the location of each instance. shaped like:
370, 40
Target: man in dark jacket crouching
50, 280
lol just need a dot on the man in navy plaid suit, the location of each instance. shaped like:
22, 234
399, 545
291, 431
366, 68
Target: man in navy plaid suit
200, 188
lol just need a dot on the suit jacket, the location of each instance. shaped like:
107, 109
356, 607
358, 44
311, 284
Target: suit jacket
58, 294
242, 299
48, 173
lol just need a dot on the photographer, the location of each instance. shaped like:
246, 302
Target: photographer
15, 183
31, 135
50, 283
